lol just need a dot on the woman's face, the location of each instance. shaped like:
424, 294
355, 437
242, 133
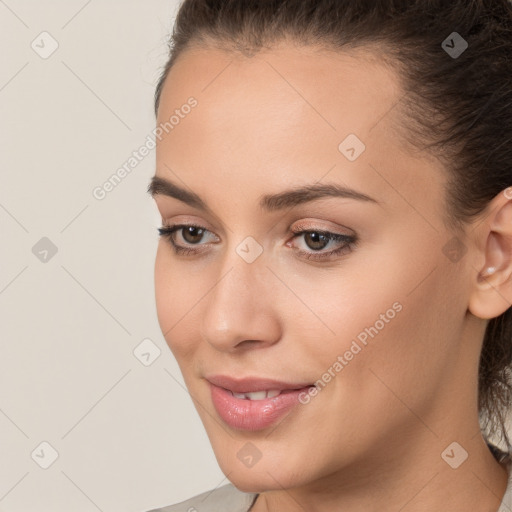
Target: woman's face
381, 326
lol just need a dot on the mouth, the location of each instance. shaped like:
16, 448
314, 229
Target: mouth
254, 387
253, 403
262, 395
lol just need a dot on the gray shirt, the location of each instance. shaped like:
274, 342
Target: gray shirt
229, 499
223, 499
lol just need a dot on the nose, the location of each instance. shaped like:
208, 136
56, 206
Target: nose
240, 310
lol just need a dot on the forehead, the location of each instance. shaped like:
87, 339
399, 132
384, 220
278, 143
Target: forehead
284, 115
334, 91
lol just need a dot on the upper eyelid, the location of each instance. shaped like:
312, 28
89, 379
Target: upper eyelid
300, 225
199, 223
177, 226
297, 232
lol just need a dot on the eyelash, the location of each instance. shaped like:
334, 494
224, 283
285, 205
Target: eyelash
350, 241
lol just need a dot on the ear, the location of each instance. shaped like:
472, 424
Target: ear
491, 292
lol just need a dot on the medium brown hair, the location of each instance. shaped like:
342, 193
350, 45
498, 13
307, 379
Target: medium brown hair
457, 107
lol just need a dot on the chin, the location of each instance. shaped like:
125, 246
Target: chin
262, 477
258, 482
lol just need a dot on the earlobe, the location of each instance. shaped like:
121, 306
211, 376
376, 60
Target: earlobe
492, 290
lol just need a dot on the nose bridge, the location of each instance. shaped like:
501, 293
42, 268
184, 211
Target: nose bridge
239, 306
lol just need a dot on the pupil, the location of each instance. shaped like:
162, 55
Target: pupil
190, 230
316, 236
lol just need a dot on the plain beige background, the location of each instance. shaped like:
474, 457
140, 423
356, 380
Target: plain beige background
127, 435
76, 383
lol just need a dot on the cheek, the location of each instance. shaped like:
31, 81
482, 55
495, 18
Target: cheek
408, 357
163, 295
385, 314
357, 318
174, 303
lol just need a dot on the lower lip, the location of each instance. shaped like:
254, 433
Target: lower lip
243, 414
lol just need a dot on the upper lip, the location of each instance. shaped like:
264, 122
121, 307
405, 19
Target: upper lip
252, 384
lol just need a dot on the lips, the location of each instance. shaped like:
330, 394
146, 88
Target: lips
254, 384
253, 403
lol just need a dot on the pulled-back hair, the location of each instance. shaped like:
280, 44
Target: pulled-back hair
456, 107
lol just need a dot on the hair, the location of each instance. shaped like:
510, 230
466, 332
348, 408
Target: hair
457, 108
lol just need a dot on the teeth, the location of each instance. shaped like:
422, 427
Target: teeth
258, 395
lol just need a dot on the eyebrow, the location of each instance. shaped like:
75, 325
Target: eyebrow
269, 202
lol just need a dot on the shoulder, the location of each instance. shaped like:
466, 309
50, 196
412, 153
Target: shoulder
505, 458
506, 503
223, 499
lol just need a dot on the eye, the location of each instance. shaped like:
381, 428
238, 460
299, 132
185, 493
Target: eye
319, 239
191, 234
315, 239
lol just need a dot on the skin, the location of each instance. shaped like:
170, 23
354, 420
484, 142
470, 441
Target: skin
372, 439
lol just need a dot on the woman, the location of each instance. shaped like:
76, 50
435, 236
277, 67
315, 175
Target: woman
334, 273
